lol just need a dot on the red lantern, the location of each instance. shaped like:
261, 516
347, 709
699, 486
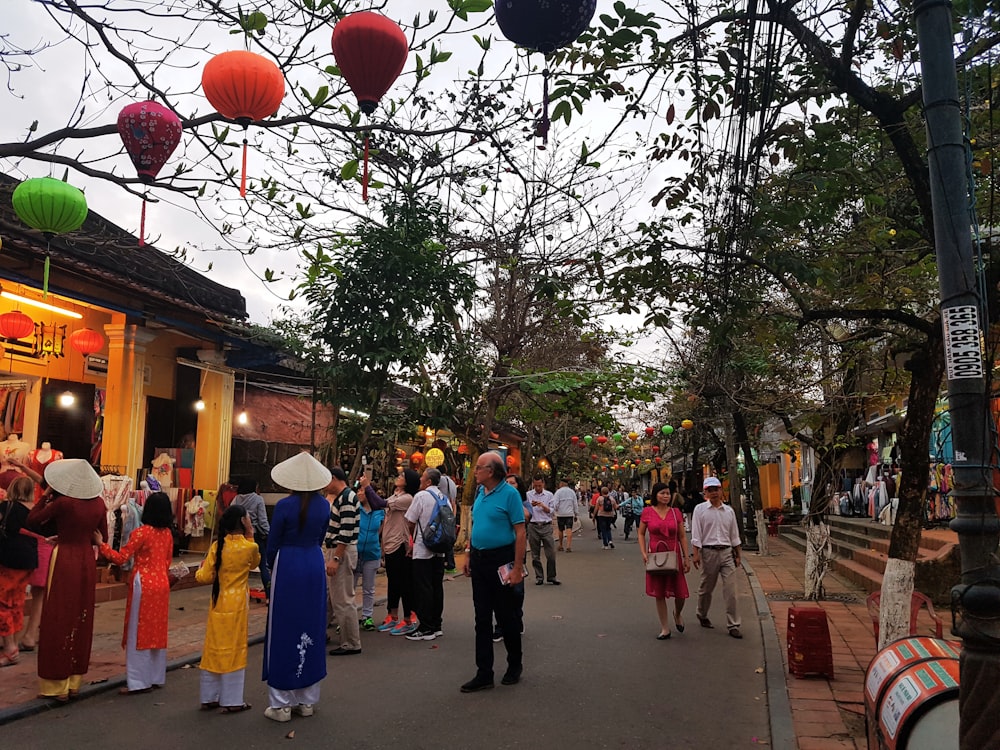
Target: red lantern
511, 462
370, 51
86, 341
150, 133
244, 87
16, 325
657, 459
593, 456
650, 431
400, 454
416, 458
462, 450
655, 448
575, 439
601, 439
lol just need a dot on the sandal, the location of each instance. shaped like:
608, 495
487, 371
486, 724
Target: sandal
9, 660
210, 706
58, 698
126, 691
235, 709
26, 648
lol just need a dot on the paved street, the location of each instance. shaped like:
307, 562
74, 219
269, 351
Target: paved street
595, 677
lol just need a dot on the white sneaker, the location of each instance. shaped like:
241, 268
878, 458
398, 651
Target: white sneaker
304, 709
278, 714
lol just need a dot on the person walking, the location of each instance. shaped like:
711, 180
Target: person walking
369, 556
665, 525
294, 645
145, 634
341, 562
248, 498
604, 513
540, 532
224, 656
66, 632
497, 539
564, 504
428, 566
449, 489
716, 541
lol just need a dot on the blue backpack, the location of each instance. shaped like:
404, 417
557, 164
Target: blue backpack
439, 534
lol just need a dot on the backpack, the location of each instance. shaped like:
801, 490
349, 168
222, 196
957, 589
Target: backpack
607, 504
439, 534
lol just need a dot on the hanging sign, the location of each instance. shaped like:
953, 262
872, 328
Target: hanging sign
963, 342
434, 457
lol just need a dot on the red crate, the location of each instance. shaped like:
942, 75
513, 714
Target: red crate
809, 649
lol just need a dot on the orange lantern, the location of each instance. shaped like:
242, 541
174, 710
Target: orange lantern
244, 87
416, 458
400, 454
86, 341
462, 450
687, 424
16, 325
511, 462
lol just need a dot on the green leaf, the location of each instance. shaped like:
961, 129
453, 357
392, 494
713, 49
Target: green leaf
349, 171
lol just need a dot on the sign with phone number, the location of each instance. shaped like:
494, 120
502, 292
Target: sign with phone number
963, 342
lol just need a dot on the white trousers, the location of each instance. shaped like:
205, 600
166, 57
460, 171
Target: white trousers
224, 689
147, 667
291, 698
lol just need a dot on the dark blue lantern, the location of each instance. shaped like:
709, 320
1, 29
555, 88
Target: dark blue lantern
544, 25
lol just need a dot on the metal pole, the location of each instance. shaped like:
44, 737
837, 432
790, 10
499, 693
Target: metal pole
976, 601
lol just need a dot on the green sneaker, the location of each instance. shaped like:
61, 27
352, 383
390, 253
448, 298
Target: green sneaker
451, 571
367, 624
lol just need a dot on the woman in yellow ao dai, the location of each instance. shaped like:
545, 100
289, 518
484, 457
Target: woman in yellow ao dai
227, 568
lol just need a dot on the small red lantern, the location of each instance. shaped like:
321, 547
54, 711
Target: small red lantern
601, 439
575, 439
593, 456
511, 462
86, 341
416, 458
463, 450
370, 51
655, 448
650, 431
400, 454
658, 459
16, 325
244, 87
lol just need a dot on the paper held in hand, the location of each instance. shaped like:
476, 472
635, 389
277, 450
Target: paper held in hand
504, 572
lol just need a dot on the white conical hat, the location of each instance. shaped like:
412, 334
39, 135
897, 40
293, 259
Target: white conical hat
301, 473
74, 477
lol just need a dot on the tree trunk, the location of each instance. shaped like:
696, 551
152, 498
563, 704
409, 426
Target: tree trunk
894, 609
819, 554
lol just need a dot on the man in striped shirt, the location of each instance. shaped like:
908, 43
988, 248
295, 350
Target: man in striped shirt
341, 560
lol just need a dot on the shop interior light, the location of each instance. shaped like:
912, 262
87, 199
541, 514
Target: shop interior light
38, 303
66, 399
243, 417
199, 405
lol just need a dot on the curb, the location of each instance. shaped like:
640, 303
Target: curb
41, 705
779, 708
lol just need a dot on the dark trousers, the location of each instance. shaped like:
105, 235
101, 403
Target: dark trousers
604, 529
265, 571
491, 598
629, 520
399, 580
428, 589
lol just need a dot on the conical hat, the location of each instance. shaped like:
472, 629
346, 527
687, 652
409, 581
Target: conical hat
74, 477
301, 473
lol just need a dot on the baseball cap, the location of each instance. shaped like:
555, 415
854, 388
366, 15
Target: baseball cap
711, 482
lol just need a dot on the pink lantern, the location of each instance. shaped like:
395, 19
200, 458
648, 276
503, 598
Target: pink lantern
150, 133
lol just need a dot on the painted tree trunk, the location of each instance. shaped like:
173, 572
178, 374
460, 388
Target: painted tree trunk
894, 610
761, 532
819, 553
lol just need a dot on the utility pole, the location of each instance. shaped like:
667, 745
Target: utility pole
976, 600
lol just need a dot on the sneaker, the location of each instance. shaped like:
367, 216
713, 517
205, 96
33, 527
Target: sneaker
388, 623
497, 636
367, 624
304, 709
420, 634
278, 714
451, 571
405, 628
612, 545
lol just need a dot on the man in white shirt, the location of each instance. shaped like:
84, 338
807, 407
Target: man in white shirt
540, 531
716, 542
565, 507
428, 567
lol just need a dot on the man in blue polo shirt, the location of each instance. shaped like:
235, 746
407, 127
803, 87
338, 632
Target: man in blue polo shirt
497, 539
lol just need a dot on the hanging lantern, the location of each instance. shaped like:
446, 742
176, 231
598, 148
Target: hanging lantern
588, 439
52, 207
593, 456
574, 440
50, 341
16, 325
576, 464
657, 459
655, 448
462, 450
416, 458
86, 341
667, 429
633, 436
244, 87
601, 439
370, 51
620, 448
617, 437
637, 448
511, 462
687, 424
150, 133
544, 26
650, 431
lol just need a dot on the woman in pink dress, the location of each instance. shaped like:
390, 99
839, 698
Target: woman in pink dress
665, 525
145, 636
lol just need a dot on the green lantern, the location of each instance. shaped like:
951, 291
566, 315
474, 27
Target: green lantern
52, 207
667, 429
588, 439
617, 437
620, 448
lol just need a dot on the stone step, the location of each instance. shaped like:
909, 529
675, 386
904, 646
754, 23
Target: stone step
860, 575
879, 535
859, 547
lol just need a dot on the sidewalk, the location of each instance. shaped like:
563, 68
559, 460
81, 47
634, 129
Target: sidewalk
826, 714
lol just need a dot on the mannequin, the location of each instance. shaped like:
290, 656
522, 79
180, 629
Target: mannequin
14, 448
40, 458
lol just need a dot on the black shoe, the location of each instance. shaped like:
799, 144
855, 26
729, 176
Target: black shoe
476, 684
341, 651
539, 581
704, 622
512, 677
735, 633
611, 544
555, 582
497, 636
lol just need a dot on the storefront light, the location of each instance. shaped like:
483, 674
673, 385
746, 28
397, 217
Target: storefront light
242, 417
199, 405
66, 399
40, 304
